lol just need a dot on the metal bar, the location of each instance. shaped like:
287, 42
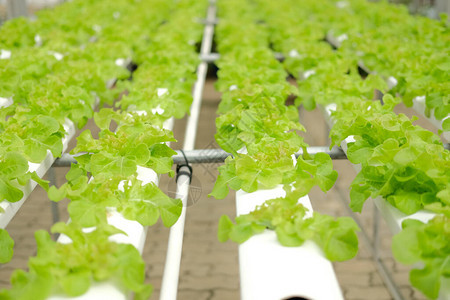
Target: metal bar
202, 156
16, 8
278, 55
54, 205
169, 286
209, 22
382, 269
212, 57
376, 231
209, 57
330, 39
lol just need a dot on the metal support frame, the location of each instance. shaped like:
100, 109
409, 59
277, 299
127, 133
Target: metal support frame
376, 231
212, 57
209, 57
54, 205
203, 156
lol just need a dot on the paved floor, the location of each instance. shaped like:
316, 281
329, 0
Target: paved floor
209, 269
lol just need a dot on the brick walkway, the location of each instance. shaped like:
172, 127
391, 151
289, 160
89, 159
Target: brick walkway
209, 269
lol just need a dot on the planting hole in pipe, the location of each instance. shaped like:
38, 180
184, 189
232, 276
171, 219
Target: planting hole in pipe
296, 298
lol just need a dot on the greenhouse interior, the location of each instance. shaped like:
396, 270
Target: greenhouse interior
225, 149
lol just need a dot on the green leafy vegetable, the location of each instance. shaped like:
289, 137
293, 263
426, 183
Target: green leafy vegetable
71, 268
6, 246
429, 245
293, 226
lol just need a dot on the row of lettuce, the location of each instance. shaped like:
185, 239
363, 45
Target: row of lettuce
93, 38
414, 51
52, 70
411, 50
261, 132
404, 164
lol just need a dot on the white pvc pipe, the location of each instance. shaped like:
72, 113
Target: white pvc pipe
394, 217
390, 214
270, 271
420, 107
135, 235
169, 286
11, 208
192, 123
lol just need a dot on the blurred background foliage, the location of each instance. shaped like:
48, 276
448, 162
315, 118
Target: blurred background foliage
429, 8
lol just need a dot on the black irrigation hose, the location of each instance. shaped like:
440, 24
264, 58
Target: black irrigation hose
184, 172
